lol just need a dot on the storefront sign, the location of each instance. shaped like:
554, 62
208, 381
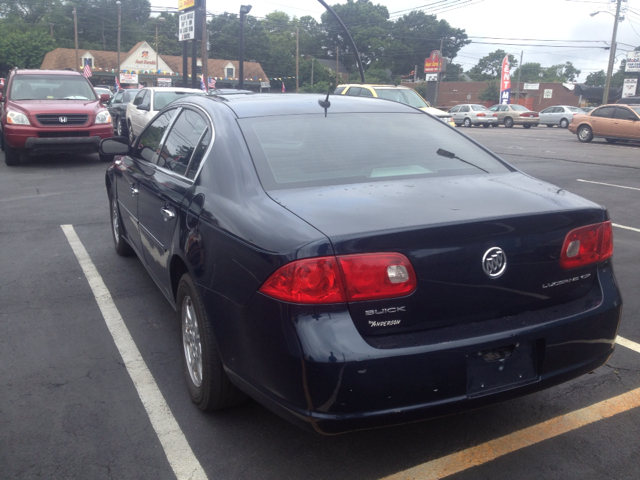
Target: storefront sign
433, 64
633, 62
531, 86
128, 78
629, 87
431, 77
185, 4
187, 26
164, 82
548, 93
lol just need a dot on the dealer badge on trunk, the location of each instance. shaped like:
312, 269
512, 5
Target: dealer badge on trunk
494, 262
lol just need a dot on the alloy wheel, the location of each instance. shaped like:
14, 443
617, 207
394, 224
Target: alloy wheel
115, 219
191, 341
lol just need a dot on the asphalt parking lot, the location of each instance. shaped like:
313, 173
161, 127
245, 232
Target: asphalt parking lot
78, 399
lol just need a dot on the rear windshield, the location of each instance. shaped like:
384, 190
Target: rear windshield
478, 108
310, 150
51, 87
408, 96
575, 109
162, 99
519, 108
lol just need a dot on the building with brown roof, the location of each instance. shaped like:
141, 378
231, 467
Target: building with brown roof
139, 66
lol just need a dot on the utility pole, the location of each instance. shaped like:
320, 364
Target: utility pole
312, 60
337, 63
244, 10
612, 55
119, 20
519, 72
415, 73
297, 54
204, 47
435, 101
75, 27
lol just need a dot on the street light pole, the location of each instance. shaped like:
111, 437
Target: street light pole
244, 9
612, 55
297, 54
159, 19
75, 27
119, 18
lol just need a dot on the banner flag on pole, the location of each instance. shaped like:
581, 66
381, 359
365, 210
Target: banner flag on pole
505, 82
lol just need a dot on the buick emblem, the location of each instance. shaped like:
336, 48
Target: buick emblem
494, 262
62, 119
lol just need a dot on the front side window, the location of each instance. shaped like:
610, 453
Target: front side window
51, 87
354, 91
365, 92
464, 109
129, 95
150, 139
622, 113
307, 150
605, 112
139, 98
503, 108
454, 109
118, 98
182, 141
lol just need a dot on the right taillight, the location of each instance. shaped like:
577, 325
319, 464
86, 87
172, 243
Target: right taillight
586, 245
346, 278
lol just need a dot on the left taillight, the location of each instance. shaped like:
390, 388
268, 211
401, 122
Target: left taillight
345, 278
586, 245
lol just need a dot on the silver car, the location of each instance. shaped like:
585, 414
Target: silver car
560, 115
472, 114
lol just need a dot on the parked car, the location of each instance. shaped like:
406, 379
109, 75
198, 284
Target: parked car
149, 101
471, 114
587, 109
395, 93
51, 111
317, 264
118, 110
108, 87
629, 101
100, 91
227, 91
512, 114
612, 122
560, 115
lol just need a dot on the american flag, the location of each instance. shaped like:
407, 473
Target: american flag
212, 82
140, 85
203, 87
87, 68
118, 87
283, 90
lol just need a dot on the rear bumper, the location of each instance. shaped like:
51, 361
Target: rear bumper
34, 141
323, 375
526, 121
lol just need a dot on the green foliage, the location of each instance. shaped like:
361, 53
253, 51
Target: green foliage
528, 72
491, 93
596, 79
489, 67
22, 49
375, 75
421, 88
562, 72
454, 70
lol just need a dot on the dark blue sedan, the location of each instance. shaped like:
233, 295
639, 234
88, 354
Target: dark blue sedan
354, 263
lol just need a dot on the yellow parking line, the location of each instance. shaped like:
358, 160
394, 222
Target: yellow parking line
481, 454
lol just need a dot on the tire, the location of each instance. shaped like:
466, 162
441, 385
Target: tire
2, 142
486, 125
564, 123
508, 122
120, 244
208, 384
121, 128
584, 133
467, 122
11, 155
494, 124
132, 137
550, 126
611, 140
526, 125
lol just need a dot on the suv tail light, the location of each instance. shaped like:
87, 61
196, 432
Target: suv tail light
586, 245
345, 278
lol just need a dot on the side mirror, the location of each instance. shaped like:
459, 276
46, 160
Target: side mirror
146, 108
115, 146
104, 97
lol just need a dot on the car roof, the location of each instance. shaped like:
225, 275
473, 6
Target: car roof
46, 72
172, 89
376, 85
277, 104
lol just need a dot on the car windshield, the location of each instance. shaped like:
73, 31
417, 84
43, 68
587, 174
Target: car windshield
51, 87
129, 95
519, 108
100, 91
309, 150
635, 109
162, 99
478, 108
406, 96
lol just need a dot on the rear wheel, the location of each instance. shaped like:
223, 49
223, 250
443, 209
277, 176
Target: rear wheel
486, 125
494, 124
564, 123
121, 128
121, 245
526, 125
467, 122
585, 134
11, 155
132, 137
550, 126
208, 384
508, 122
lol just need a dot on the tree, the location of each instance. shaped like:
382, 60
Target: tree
23, 49
528, 72
454, 70
489, 67
562, 72
491, 92
596, 79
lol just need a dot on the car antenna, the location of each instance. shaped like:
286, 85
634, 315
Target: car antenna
326, 103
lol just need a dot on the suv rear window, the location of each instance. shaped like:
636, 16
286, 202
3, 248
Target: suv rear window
291, 152
51, 87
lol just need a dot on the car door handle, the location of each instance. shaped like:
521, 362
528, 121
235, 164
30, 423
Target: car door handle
134, 190
167, 213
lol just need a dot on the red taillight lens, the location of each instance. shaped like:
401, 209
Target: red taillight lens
586, 245
377, 275
481, 115
320, 280
495, 114
314, 280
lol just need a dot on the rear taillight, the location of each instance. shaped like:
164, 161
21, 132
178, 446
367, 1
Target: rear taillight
495, 114
587, 245
342, 279
481, 115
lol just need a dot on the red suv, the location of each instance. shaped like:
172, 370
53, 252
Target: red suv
51, 111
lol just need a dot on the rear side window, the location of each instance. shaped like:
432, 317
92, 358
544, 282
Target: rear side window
182, 141
306, 150
338, 90
150, 139
354, 91
366, 93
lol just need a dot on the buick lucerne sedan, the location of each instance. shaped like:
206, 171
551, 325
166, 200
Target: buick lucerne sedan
351, 263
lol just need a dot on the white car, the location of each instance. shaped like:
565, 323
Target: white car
150, 101
560, 115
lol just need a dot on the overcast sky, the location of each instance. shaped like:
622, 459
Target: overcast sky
509, 22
